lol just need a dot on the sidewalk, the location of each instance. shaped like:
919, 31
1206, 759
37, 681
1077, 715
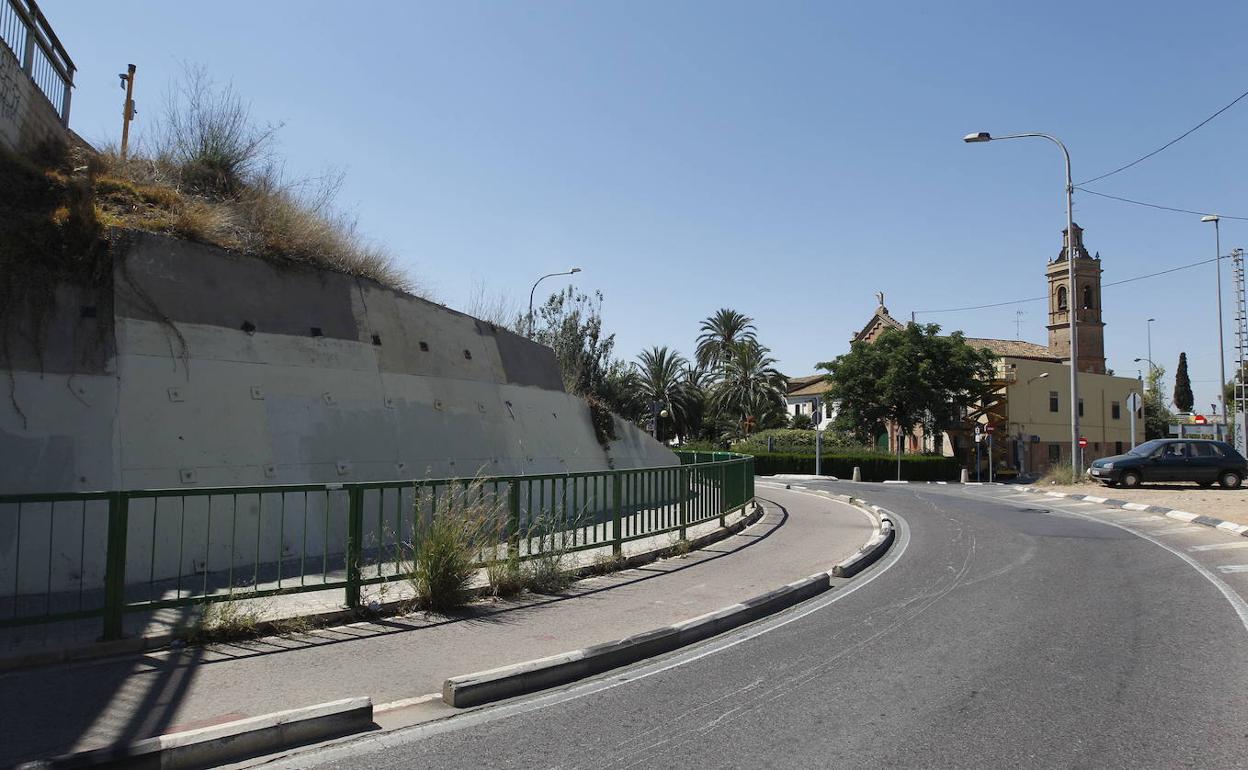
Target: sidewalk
85, 705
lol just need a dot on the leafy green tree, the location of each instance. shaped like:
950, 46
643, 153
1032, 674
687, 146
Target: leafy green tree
719, 333
570, 323
1183, 397
907, 377
748, 394
1157, 417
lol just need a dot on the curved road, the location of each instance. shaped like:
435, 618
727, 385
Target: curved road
1002, 630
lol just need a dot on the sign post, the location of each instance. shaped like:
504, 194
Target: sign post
989, 430
1083, 442
1133, 405
978, 437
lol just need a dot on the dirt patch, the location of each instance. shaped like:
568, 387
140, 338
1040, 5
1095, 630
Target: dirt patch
1226, 504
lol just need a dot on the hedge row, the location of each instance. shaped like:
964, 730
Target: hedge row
875, 467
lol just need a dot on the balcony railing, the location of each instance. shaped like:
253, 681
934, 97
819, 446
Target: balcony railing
30, 38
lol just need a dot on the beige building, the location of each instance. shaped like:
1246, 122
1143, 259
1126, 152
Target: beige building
1029, 411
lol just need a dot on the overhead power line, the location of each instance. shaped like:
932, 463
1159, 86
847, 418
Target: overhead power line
1157, 205
1173, 141
1038, 299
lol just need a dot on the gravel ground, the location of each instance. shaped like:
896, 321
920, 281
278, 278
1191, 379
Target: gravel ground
1226, 504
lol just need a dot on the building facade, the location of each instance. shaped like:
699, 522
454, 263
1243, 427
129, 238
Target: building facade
1029, 406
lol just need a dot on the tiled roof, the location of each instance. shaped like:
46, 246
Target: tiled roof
1013, 348
811, 385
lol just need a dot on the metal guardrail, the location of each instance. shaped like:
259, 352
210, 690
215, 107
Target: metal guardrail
75, 556
29, 36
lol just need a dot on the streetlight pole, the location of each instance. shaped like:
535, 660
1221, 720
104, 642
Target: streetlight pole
1150, 339
1072, 302
1217, 242
535, 283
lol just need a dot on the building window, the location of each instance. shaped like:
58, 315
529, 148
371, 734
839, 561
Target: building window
1055, 453
1052, 400
1115, 410
1081, 407
1061, 297
1087, 297
1117, 447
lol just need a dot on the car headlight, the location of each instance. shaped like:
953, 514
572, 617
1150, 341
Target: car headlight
1108, 466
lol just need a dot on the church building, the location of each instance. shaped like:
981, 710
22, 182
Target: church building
1029, 407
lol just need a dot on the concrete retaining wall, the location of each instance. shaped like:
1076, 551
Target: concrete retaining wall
27, 118
205, 368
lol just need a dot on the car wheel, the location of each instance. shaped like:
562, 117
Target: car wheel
1230, 480
1130, 479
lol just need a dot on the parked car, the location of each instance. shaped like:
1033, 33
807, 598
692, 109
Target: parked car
1173, 459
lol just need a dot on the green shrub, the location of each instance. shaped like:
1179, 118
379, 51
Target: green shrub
789, 440
874, 466
444, 562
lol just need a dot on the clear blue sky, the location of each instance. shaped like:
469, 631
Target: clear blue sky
784, 159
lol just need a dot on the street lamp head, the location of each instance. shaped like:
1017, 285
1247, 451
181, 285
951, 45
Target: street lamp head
982, 136
1042, 375
574, 270
1151, 320
1209, 218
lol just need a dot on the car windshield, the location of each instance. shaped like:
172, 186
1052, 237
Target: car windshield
1147, 448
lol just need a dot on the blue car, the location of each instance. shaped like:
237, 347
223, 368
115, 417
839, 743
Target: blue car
1173, 459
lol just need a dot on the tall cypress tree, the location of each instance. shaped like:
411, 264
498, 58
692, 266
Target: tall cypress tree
1183, 397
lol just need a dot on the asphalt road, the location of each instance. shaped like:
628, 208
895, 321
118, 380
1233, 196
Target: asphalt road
1003, 630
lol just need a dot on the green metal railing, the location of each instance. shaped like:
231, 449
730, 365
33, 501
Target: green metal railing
76, 556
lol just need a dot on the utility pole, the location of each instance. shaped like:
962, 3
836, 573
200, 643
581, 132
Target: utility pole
127, 111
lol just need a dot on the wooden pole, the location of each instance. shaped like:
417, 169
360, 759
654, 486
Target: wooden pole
127, 111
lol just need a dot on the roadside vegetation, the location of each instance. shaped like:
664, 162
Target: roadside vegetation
203, 169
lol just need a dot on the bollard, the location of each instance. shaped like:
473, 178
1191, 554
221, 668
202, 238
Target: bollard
966, 476
857, 473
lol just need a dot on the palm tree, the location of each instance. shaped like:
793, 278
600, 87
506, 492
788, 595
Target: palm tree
719, 333
749, 389
661, 380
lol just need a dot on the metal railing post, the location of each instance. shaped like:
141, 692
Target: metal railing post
115, 566
617, 491
513, 519
723, 495
684, 500
28, 51
355, 536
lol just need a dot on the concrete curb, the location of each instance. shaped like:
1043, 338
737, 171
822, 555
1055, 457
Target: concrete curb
531, 676
873, 550
1207, 521
330, 618
543, 673
229, 742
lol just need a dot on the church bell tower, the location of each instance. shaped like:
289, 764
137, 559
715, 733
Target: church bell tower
1084, 297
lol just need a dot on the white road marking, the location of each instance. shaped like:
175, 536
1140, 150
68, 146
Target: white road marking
1181, 515
1227, 569
1181, 529
405, 702
1135, 506
1219, 546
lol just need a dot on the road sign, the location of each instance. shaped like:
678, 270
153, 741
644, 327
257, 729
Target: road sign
978, 433
1133, 402
1199, 419
1083, 442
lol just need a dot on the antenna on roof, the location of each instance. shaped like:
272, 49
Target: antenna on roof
1018, 324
